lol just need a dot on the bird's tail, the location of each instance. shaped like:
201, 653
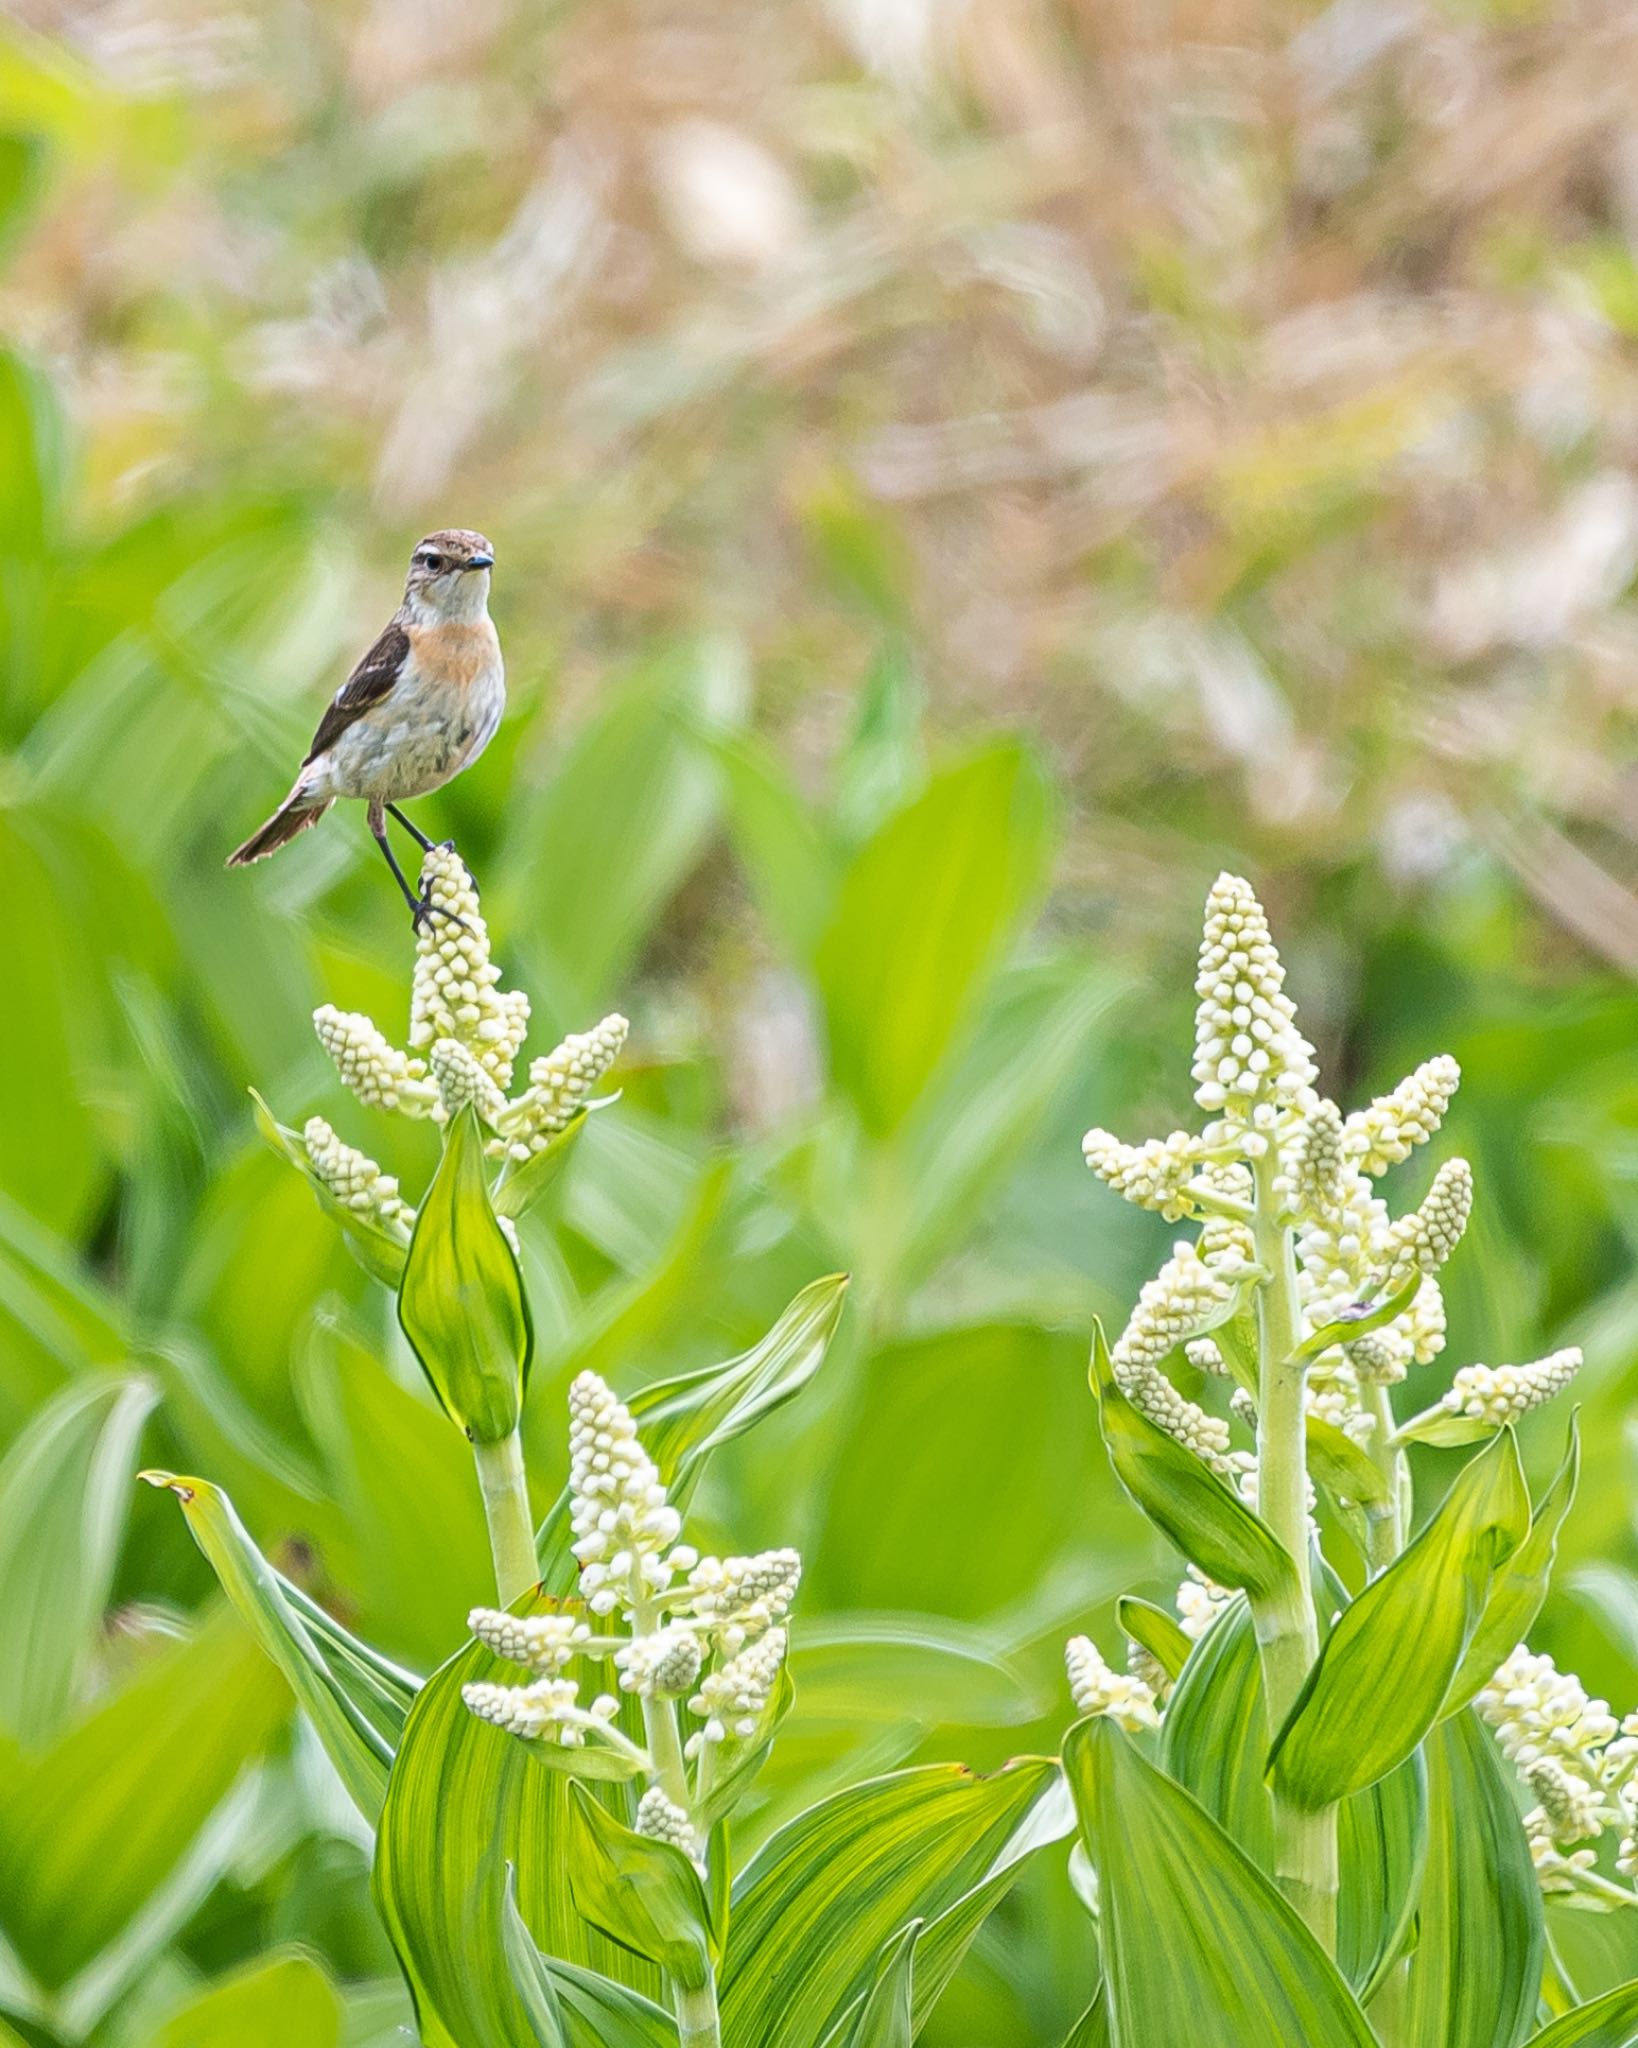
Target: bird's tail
294, 815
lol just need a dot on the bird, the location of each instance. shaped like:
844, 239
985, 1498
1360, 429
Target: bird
418, 708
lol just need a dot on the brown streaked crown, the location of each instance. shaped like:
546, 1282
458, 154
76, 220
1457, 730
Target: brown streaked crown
454, 546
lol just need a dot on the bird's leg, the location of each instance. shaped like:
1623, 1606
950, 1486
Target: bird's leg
411, 828
421, 907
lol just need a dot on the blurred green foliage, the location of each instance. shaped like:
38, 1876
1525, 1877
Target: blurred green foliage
954, 489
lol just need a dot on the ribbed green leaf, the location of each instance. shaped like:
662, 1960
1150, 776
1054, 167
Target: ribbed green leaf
64, 1489
685, 1418
95, 1823
1386, 1667
1340, 1466
1214, 1742
602, 2014
273, 2003
356, 1699
463, 1801
921, 917
1197, 1944
1608, 2022
1154, 1630
644, 1894
887, 2017
531, 1979
1181, 1494
461, 1300
1091, 2030
521, 1187
376, 1249
1520, 1587
817, 1903
1476, 1968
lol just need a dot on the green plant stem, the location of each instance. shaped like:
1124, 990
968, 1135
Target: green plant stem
1386, 1526
1305, 1844
697, 2022
505, 1492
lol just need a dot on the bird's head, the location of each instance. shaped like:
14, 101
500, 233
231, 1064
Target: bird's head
449, 574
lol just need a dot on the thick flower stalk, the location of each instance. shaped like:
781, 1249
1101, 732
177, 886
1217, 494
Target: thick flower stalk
698, 1642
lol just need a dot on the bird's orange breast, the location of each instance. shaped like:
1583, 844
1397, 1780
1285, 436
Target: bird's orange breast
455, 652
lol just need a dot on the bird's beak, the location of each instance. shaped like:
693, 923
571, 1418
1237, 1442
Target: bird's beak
481, 562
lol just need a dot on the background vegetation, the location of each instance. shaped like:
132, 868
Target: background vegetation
960, 477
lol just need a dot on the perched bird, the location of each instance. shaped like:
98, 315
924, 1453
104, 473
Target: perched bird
421, 704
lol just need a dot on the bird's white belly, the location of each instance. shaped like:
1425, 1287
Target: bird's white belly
415, 741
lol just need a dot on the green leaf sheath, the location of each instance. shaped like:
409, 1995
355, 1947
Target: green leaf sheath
644, 1894
1197, 1944
1476, 1966
1387, 1665
461, 1300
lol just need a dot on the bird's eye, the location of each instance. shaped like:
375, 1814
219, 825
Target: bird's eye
430, 561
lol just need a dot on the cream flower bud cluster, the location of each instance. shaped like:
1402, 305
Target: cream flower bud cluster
1387, 1132
560, 1082
463, 1082
1153, 1175
1172, 1307
623, 1523
663, 1820
1199, 1601
454, 993
1335, 1399
1342, 1248
1501, 1394
379, 1074
1148, 1670
741, 1598
1248, 1050
1096, 1689
1315, 1163
1423, 1240
355, 1180
662, 1665
1556, 1871
733, 1698
547, 1711
545, 1642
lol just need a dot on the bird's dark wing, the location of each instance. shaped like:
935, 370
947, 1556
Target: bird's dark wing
372, 680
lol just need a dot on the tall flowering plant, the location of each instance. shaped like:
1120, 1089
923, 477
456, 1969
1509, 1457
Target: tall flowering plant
1291, 1781
551, 1807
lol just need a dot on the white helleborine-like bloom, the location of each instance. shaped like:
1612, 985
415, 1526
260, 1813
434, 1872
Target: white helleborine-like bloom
1153, 1175
1501, 1394
664, 1664
622, 1521
1248, 1052
454, 993
733, 1698
545, 1642
1096, 1689
1379, 1137
379, 1074
740, 1598
560, 1083
355, 1180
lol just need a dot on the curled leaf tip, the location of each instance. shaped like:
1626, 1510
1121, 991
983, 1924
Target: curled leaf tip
170, 1482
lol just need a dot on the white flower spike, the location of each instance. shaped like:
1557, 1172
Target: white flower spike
1501, 1394
622, 1522
355, 1180
454, 993
1096, 1689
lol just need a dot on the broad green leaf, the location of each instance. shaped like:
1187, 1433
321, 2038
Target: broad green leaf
1476, 1966
644, 1894
1213, 1743
788, 862
275, 2002
1181, 1494
887, 2017
683, 1419
860, 1668
521, 1187
461, 1300
355, 1699
1443, 1431
376, 1248
1197, 1943
464, 1800
1386, 1667
1154, 1630
814, 1907
1341, 1467
922, 916
65, 1487
95, 1823
599, 2013
1608, 2022
1520, 1587
1091, 2030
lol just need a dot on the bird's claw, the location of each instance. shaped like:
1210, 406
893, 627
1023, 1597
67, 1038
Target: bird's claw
423, 910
